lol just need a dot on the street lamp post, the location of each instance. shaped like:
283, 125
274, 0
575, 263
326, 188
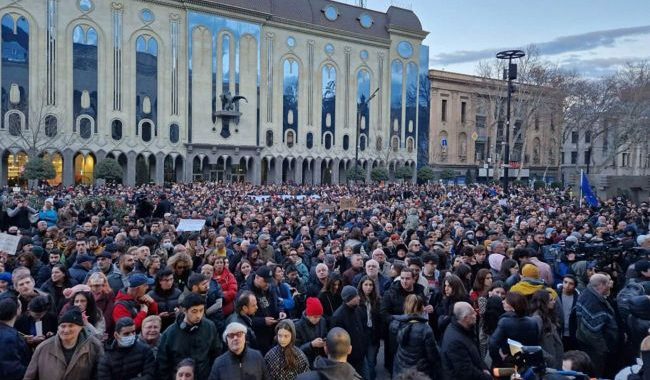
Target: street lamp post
360, 106
512, 74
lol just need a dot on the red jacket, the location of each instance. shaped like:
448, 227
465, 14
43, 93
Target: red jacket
228, 285
127, 306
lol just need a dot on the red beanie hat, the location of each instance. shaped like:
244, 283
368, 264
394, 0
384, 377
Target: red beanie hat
314, 308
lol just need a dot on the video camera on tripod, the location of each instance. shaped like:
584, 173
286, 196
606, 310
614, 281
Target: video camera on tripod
530, 365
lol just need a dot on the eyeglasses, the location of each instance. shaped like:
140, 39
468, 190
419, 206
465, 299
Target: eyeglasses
234, 335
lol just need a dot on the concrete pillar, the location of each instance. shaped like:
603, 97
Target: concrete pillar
160, 168
414, 178
298, 170
188, 169
335, 171
368, 170
130, 168
317, 171
68, 168
256, 162
278, 171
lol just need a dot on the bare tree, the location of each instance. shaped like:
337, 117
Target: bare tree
40, 130
538, 90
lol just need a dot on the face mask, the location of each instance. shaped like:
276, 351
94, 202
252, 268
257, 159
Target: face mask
167, 245
126, 341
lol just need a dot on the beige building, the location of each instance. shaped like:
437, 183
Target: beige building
158, 85
467, 127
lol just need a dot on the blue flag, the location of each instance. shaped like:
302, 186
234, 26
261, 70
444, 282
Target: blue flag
589, 195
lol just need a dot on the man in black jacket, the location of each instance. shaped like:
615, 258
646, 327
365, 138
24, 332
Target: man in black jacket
351, 318
268, 307
245, 309
461, 358
311, 330
127, 357
239, 362
15, 354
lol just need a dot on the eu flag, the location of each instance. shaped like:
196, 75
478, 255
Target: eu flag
589, 195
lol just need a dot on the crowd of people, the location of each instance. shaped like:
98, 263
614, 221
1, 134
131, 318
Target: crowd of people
312, 282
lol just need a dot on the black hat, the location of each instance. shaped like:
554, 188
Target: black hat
642, 266
105, 254
73, 315
265, 272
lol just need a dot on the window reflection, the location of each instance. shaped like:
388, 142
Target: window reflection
290, 95
85, 75
15, 65
225, 63
50, 126
346, 142
269, 138
411, 98
116, 130
397, 69
146, 84
174, 133
328, 114
85, 128
363, 93
310, 140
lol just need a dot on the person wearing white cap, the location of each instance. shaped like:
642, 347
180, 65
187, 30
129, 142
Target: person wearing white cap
239, 362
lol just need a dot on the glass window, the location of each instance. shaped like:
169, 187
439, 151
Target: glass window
290, 139
397, 71
362, 142
574, 157
146, 131
363, 54
290, 95
328, 141
463, 112
50, 126
116, 129
147, 16
346, 142
225, 63
331, 13
85, 5
366, 20
329, 49
574, 137
310, 140
328, 100
146, 81
85, 128
15, 124
291, 42
269, 138
405, 49
174, 133
587, 137
443, 110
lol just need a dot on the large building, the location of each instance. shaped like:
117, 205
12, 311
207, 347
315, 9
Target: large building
467, 128
158, 85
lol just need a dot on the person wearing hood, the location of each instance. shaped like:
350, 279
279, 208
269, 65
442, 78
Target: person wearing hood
127, 357
311, 330
416, 344
48, 214
69, 355
638, 322
531, 282
335, 366
191, 336
240, 361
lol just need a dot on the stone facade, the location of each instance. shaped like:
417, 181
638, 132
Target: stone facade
467, 127
142, 82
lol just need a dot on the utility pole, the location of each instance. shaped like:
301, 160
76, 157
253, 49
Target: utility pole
512, 74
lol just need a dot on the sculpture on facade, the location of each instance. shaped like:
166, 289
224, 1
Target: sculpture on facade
229, 111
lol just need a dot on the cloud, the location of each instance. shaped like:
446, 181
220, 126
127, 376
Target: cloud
564, 44
598, 67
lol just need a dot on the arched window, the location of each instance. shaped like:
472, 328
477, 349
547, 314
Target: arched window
146, 131
269, 138
310, 140
116, 130
85, 128
50, 126
394, 143
290, 139
328, 141
290, 82
362, 143
15, 124
328, 100
174, 133
346, 142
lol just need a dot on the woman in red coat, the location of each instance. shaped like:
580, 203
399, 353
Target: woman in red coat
228, 284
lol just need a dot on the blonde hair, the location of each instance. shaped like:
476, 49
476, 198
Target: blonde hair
413, 304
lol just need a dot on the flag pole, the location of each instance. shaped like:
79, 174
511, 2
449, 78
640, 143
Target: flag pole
582, 173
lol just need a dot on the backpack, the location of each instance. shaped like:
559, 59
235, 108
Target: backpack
630, 290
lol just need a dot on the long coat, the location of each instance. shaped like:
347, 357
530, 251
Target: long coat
48, 361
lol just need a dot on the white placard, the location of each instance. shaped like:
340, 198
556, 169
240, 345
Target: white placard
190, 225
9, 243
39, 328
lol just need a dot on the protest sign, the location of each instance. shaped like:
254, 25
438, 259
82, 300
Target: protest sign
9, 243
190, 225
348, 203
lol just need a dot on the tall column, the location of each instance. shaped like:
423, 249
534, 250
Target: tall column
160, 168
68, 167
189, 169
317, 171
278, 171
130, 168
298, 170
368, 170
414, 178
257, 170
335, 171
